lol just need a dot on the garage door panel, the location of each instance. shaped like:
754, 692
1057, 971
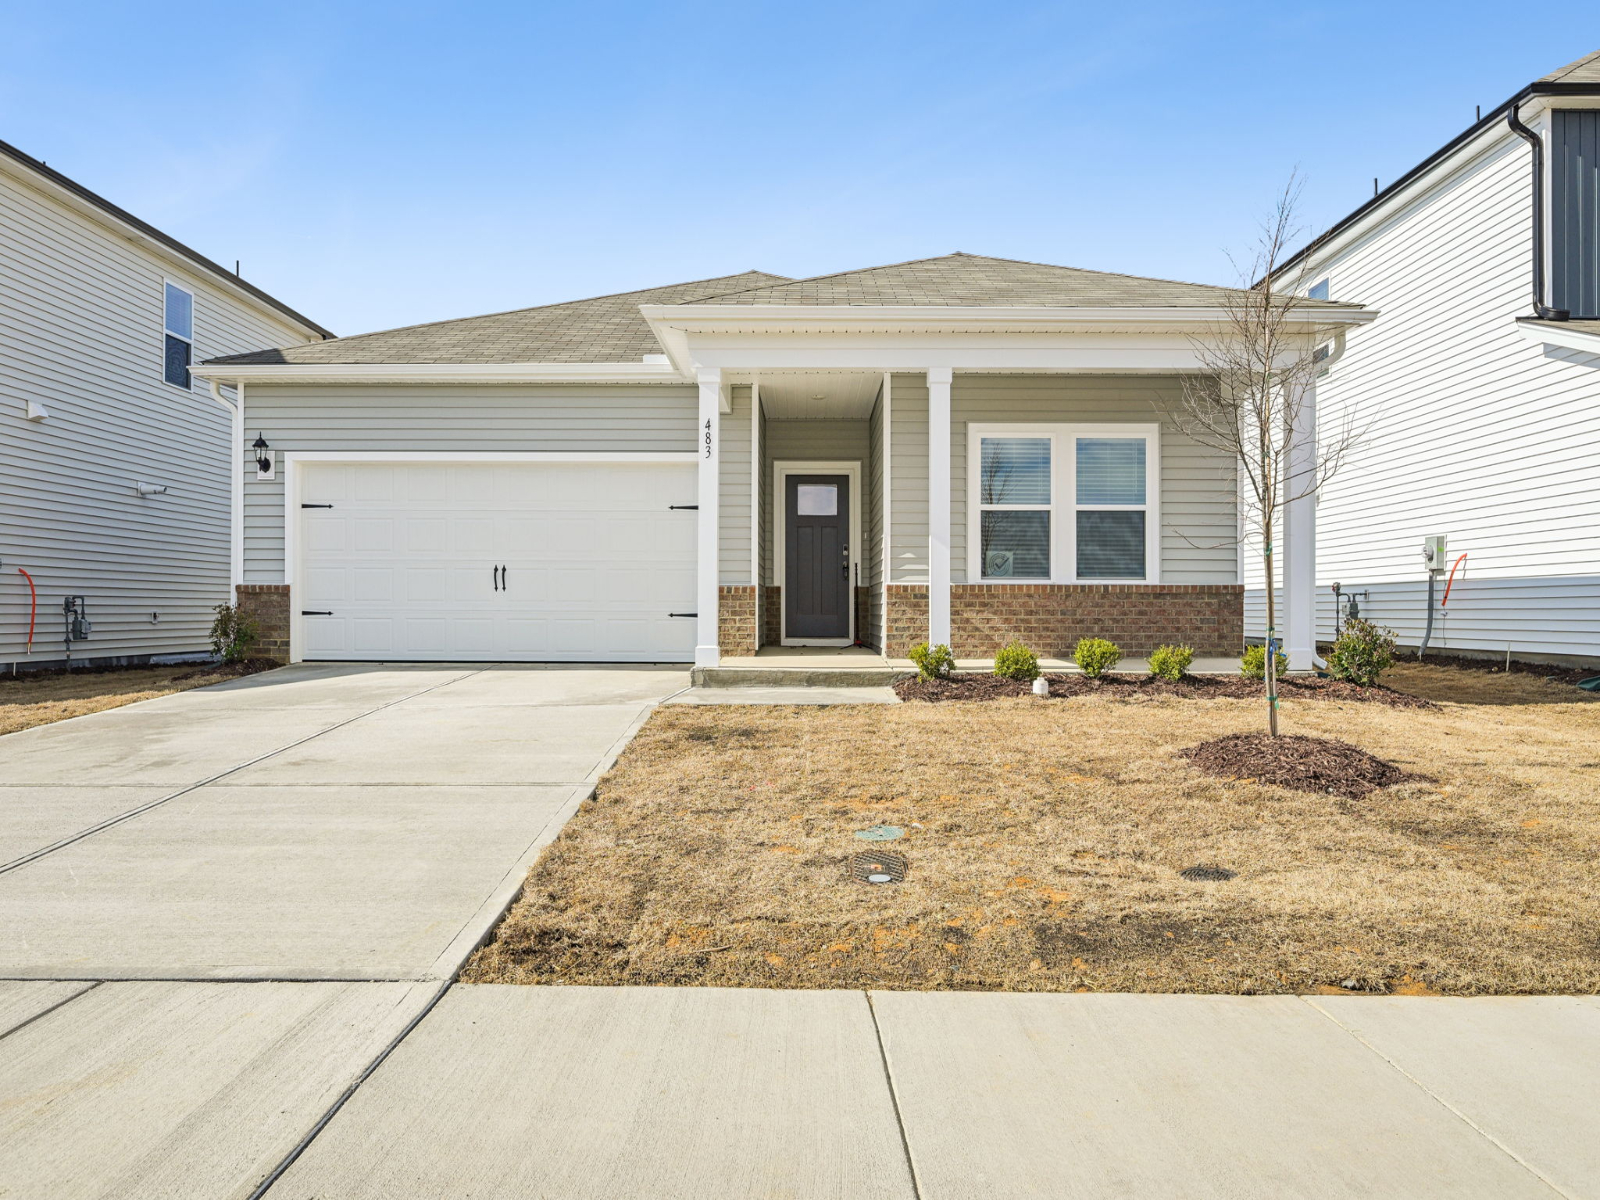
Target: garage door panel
594, 561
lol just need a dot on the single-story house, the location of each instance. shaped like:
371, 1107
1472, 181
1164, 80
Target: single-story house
958, 449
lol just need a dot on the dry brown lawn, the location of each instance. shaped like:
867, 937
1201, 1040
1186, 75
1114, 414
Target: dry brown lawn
1045, 837
27, 700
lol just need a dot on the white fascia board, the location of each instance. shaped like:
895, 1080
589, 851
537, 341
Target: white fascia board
1558, 333
443, 372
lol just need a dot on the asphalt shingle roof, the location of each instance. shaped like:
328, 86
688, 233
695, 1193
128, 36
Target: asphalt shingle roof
977, 281
605, 329
1585, 70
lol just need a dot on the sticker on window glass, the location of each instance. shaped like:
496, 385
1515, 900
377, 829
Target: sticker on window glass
817, 500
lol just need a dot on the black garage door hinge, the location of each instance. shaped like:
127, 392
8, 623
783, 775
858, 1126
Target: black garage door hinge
674, 507
316, 506
683, 614
312, 612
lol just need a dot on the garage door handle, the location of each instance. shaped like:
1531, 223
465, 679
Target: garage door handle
314, 612
494, 577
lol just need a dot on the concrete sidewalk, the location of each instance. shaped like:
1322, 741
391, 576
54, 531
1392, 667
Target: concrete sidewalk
614, 1092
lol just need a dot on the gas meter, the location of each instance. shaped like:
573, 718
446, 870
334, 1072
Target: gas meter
77, 619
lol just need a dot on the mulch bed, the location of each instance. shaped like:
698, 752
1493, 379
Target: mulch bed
1491, 666
1148, 687
1306, 764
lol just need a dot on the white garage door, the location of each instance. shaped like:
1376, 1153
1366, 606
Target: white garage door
547, 562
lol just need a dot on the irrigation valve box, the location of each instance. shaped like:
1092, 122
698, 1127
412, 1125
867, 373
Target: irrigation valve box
1433, 552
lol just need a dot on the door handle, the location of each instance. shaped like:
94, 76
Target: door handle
503, 578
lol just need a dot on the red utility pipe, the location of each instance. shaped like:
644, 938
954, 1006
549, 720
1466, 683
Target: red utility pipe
33, 605
1450, 581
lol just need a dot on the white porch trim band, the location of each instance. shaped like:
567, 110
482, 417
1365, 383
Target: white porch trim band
1300, 536
939, 505
707, 452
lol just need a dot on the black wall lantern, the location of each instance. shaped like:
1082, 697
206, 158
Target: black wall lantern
263, 461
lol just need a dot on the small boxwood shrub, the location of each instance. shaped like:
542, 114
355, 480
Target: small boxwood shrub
932, 662
1363, 652
232, 633
1253, 664
1170, 662
1096, 656
1016, 661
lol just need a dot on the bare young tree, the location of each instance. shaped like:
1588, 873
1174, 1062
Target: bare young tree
1249, 398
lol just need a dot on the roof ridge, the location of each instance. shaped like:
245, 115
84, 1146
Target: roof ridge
506, 312
837, 274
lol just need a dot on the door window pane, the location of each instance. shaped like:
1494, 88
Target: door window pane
1016, 545
1110, 470
1111, 545
816, 500
1014, 471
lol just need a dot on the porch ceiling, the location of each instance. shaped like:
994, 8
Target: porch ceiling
819, 395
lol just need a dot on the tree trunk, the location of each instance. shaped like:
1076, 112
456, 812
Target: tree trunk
1272, 630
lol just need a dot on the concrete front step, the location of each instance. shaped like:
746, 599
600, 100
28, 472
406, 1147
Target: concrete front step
873, 677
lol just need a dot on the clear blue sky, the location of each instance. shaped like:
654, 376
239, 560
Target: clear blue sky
382, 164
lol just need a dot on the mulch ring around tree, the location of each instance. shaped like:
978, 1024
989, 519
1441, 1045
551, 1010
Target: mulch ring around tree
1128, 686
1306, 764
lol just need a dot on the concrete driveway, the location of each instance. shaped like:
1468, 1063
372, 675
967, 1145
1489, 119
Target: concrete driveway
316, 822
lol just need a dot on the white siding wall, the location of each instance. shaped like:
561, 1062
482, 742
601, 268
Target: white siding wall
1475, 432
81, 331
468, 417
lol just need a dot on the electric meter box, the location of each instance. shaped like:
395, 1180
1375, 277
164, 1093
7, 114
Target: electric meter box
1433, 551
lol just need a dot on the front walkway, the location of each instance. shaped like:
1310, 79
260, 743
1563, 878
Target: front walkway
229, 919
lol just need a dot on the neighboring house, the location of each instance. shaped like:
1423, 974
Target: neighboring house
1481, 385
114, 461
959, 449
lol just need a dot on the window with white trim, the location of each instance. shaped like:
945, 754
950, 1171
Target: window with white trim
1063, 503
179, 321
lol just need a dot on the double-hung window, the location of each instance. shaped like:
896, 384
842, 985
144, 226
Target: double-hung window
179, 306
1063, 503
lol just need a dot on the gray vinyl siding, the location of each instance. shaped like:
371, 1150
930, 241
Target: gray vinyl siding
908, 492
733, 508
1199, 523
459, 418
81, 332
805, 441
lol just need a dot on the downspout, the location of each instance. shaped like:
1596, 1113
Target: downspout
1541, 310
236, 486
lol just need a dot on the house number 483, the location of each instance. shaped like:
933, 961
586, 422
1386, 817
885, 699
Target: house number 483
708, 437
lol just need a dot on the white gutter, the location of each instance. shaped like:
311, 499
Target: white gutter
236, 485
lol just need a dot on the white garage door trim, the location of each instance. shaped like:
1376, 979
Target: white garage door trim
294, 459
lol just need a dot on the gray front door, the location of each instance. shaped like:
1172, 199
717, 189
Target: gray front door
816, 540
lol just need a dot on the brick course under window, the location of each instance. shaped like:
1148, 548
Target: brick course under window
1050, 617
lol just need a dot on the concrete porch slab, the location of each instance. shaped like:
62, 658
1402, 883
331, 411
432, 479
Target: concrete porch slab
183, 1089
786, 695
22, 1001
1156, 1095
594, 1093
275, 882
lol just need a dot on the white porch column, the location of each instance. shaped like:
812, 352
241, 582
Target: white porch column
939, 505
1300, 536
708, 450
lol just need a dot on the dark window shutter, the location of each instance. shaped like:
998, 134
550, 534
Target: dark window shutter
177, 367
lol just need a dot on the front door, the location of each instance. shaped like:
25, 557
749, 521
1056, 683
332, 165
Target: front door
816, 539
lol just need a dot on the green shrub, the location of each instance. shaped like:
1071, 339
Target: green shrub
1095, 656
1016, 661
1363, 652
1170, 662
932, 662
232, 633
1253, 665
